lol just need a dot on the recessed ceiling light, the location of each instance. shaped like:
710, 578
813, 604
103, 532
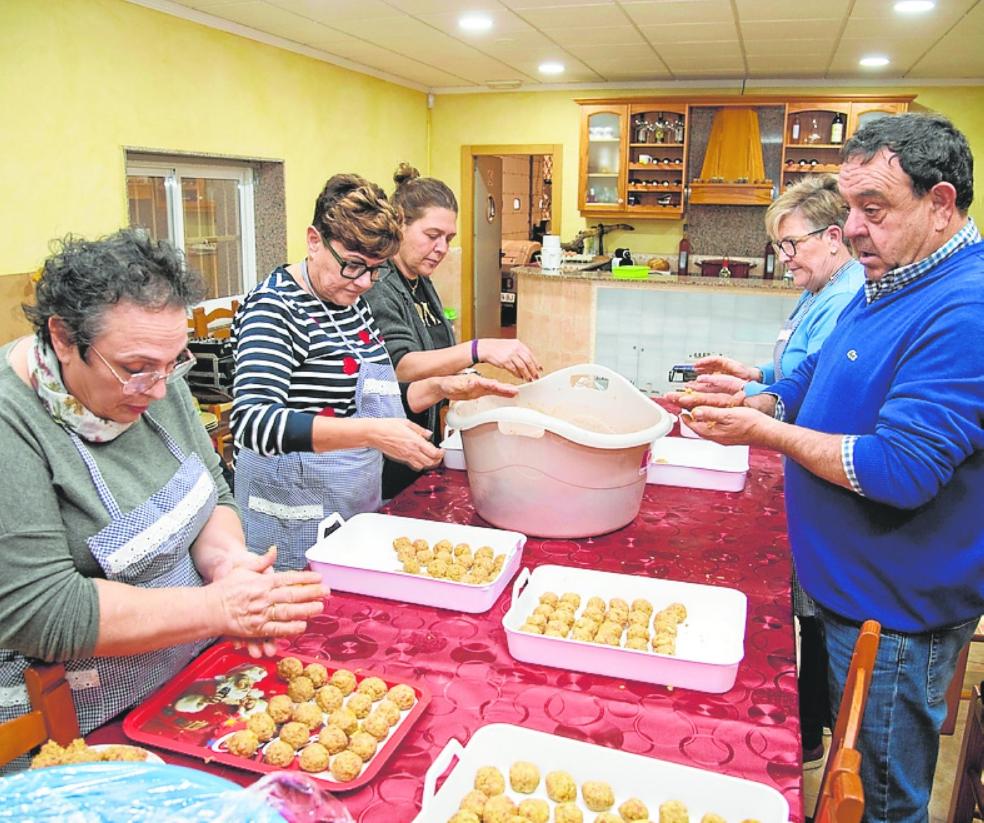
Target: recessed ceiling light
475, 22
914, 6
551, 68
873, 62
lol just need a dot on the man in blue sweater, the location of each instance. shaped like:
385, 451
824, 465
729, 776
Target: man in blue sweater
883, 429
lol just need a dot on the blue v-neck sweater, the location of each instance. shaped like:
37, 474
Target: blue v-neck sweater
905, 374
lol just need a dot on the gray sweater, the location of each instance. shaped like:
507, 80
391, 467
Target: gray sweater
49, 607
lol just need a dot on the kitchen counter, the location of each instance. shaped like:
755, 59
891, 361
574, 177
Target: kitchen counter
662, 280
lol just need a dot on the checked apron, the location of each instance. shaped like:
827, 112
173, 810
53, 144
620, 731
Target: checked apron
284, 497
147, 547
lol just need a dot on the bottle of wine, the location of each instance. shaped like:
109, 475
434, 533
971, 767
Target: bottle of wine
796, 130
837, 129
769, 267
683, 258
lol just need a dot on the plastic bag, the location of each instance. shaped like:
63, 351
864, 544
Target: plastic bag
295, 796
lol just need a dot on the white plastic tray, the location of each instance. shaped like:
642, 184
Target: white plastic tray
697, 464
358, 557
710, 642
630, 775
454, 451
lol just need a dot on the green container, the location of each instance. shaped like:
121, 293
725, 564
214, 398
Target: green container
630, 272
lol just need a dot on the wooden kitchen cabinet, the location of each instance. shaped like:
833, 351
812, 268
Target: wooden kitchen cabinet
810, 142
603, 160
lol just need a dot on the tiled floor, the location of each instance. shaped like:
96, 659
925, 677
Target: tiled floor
939, 804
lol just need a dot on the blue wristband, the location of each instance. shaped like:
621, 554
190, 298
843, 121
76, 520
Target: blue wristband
474, 351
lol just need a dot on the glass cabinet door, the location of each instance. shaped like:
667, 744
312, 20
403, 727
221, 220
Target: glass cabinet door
603, 141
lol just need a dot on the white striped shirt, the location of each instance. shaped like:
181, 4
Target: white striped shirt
292, 364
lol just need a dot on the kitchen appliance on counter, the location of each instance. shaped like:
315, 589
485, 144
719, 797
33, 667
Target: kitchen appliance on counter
734, 268
514, 253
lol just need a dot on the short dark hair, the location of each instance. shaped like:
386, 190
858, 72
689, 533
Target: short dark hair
930, 149
415, 194
83, 278
356, 213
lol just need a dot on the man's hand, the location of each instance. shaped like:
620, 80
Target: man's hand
731, 426
689, 399
718, 384
725, 365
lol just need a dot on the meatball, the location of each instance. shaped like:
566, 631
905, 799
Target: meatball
243, 743
640, 604
598, 795
608, 817
295, 734
344, 680
486, 552
289, 668
300, 689
363, 744
333, 739
524, 777
262, 725
474, 802
390, 710
710, 817
464, 817
329, 698
640, 644
550, 598
499, 809
561, 787
531, 628
344, 719
568, 813
317, 674
314, 758
572, 598
309, 714
346, 766
412, 565
634, 809
678, 610
278, 753
280, 708
535, 810
673, 811
489, 780
377, 725
373, 687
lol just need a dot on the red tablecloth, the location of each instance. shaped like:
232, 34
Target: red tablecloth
736, 540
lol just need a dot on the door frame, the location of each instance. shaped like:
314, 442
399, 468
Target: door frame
468, 155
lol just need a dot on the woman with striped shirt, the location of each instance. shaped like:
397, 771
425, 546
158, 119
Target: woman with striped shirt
316, 403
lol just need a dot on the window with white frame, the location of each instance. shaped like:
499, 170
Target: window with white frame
207, 211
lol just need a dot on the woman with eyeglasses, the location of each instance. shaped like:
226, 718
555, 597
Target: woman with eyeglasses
410, 314
806, 224
316, 402
122, 550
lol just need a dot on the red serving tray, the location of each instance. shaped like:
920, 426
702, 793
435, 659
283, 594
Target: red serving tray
214, 705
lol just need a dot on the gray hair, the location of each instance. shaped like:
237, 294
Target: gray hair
815, 198
82, 279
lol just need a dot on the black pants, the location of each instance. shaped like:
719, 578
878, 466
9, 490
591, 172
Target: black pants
813, 692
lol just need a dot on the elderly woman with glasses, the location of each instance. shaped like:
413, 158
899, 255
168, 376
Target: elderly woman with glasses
806, 224
316, 402
123, 555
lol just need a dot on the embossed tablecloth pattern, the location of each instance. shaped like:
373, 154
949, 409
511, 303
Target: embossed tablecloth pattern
736, 540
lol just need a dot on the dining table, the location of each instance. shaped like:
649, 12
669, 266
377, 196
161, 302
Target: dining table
732, 539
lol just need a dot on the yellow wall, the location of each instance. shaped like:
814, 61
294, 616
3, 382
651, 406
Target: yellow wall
81, 79
552, 117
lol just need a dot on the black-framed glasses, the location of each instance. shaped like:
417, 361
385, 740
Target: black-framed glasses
144, 381
788, 244
351, 269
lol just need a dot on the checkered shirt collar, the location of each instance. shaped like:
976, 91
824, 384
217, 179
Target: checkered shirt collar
898, 279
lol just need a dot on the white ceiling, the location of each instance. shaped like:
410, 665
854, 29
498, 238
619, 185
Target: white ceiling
613, 42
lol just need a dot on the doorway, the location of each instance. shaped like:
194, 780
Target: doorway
502, 199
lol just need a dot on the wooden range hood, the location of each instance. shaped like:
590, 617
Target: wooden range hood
733, 173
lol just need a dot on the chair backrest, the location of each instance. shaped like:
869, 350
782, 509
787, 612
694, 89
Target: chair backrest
209, 324
841, 798
968, 792
52, 715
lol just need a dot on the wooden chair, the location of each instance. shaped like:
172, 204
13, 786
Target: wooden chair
841, 798
967, 801
955, 693
216, 323
52, 715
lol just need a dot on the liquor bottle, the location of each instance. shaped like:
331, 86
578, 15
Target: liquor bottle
769, 268
837, 129
814, 136
683, 258
796, 130
725, 270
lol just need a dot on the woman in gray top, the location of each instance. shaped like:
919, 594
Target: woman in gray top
121, 545
410, 315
